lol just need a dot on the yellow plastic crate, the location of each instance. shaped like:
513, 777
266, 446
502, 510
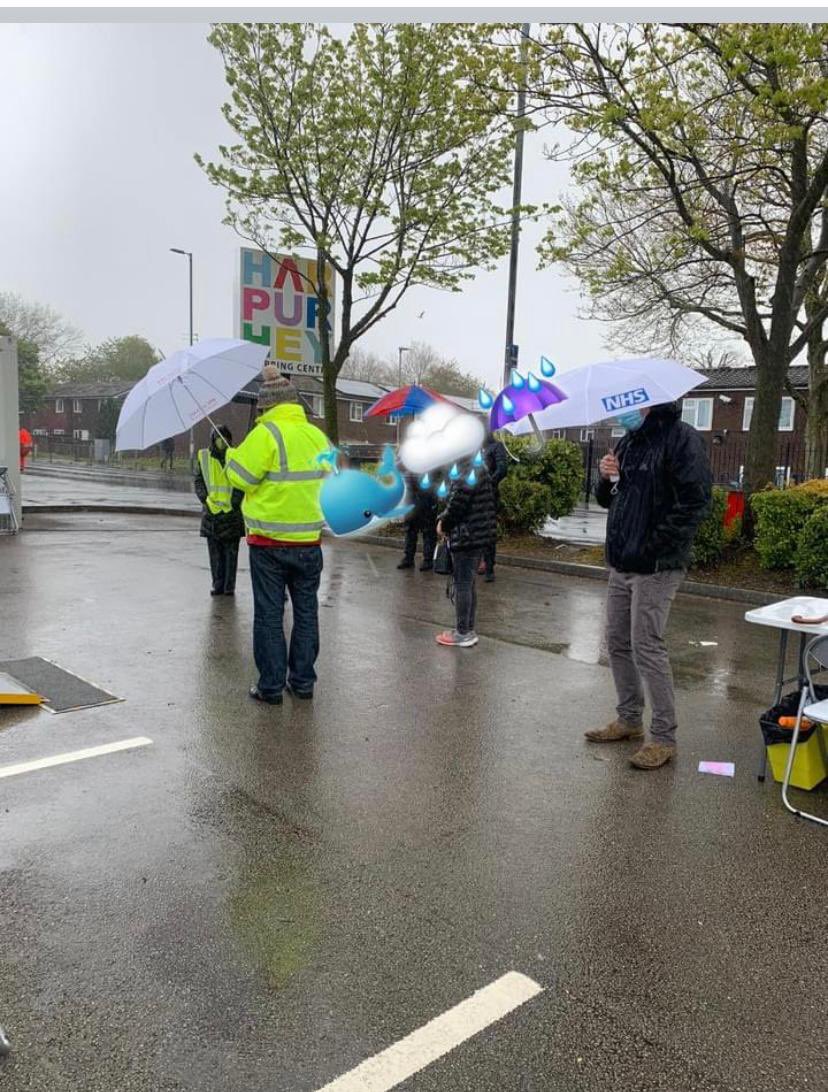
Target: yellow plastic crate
809, 766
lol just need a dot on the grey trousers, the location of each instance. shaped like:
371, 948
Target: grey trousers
638, 607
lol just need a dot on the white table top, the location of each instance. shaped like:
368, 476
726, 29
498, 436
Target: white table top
779, 614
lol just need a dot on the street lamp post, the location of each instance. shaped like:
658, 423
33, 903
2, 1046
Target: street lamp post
402, 349
189, 256
510, 360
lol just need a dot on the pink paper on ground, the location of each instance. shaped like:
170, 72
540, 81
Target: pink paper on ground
723, 769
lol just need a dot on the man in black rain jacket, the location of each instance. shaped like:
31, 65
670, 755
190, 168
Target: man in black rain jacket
657, 487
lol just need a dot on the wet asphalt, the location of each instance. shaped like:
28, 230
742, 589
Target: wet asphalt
265, 897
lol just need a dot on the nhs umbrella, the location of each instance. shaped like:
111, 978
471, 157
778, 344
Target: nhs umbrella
186, 388
612, 388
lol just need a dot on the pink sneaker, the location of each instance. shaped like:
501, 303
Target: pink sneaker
453, 639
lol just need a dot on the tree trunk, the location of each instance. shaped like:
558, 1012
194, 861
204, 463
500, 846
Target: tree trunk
816, 428
329, 376
763, 439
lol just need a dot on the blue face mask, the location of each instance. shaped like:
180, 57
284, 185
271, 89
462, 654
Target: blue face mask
631, 421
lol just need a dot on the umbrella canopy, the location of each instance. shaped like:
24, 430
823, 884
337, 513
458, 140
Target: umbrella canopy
405, 400
612, 388
182, 390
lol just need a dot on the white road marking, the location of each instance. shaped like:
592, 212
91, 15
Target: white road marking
374, 568
425, 1045
74, 756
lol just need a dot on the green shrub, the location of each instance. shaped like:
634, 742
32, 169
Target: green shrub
558, 468
811, 559
524, 504
711, 536
780, 516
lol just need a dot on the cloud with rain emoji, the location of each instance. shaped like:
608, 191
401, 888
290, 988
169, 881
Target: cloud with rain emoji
441, 436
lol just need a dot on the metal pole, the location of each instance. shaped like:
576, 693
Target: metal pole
402, 349
192, 435
511, 353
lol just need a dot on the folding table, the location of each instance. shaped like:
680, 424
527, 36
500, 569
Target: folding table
778, 616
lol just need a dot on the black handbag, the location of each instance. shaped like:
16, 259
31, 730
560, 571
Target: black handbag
443, 564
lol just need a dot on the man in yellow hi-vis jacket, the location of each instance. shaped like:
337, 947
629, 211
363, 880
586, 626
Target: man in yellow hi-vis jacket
278, 469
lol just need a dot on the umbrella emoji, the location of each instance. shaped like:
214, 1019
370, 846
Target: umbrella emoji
522, 398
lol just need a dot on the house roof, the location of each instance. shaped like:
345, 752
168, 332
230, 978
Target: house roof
109, 388
742, 379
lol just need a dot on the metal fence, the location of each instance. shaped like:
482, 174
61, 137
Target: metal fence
728, 455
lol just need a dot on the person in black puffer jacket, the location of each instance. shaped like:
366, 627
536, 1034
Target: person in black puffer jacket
469, 522
497, 461
421, 519
660, 495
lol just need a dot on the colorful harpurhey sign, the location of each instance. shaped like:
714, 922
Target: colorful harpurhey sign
279, 307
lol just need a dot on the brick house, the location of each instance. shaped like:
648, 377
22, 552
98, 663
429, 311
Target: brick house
70, 411
720, 409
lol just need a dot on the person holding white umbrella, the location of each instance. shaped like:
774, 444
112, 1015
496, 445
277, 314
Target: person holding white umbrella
657, 487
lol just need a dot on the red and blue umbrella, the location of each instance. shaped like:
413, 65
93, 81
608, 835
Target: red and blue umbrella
406, 401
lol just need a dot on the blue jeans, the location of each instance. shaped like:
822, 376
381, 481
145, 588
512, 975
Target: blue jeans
274, 571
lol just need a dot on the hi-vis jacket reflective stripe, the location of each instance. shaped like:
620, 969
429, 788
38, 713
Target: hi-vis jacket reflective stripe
219, 490
276, 467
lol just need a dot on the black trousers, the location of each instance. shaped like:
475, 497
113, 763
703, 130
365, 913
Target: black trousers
429, 532
224, 559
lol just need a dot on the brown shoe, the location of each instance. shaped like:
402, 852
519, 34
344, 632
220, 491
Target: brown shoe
652, 755
615, 732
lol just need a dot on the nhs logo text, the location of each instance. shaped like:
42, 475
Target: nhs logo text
625, 400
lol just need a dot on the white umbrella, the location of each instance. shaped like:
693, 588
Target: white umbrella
182, 390
612, 388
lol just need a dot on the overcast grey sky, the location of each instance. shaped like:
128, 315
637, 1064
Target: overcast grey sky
99, 124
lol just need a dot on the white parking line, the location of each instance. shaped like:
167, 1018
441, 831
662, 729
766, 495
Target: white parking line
372, 563
440, 1035
74, 756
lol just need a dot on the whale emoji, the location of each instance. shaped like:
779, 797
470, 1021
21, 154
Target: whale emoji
352, 500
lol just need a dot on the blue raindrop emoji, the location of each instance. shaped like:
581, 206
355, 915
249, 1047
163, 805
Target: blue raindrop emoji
534, 383
472, 478
485, 399
547, 367
442, 490
425, 481
454, 473
508, 404
478, 459
517, 379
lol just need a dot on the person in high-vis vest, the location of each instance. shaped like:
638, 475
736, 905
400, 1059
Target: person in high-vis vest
278, 468
221, 523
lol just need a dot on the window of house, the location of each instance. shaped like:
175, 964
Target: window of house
317, 405
58, 432
587, 434
59, 405
557, 434
356, 411
77, 406
617, 432
80, 434
786, 415
392, 419
45, 432
698, 412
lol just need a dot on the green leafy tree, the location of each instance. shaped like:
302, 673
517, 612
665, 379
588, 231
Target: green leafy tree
702, 153
108, 419
372, 153
31, 381
127, 358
